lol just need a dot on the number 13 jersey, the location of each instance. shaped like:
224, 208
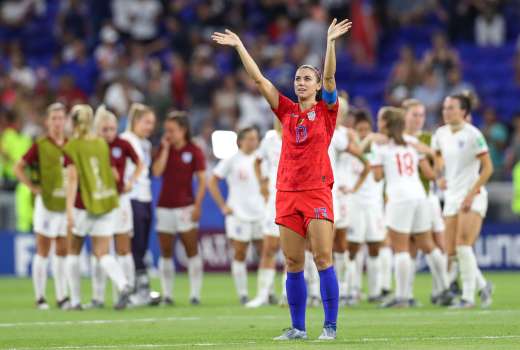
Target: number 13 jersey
306, 136
401, 168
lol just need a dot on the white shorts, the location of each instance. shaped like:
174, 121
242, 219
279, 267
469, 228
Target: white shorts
411, 216
123, 216
269, 227
366, 223
479, 205
48, 223
244, 231
437, 219
175, 220
340, 202
93, 225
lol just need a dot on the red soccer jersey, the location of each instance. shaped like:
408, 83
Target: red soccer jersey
304, 161
177, 186
120, 150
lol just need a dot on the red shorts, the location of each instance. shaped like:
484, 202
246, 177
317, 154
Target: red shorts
296, 209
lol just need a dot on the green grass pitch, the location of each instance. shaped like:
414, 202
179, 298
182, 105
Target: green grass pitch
221, 323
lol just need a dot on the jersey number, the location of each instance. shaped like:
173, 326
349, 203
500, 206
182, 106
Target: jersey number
301, 133
405, 164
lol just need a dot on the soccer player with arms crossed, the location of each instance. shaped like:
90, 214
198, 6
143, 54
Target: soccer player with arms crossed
304, 182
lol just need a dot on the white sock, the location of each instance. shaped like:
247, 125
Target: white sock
453, 271
350, 276
114, 271
439, 270
60, 278
239, 272
374, 280
265, 283
73, 279
468, 271
411, 277
166, 275
340, 265
39, 275
481, 280
99, 280
195, 272
284, 288
358, 263
311, 275
385, 254
402, 275
127, 265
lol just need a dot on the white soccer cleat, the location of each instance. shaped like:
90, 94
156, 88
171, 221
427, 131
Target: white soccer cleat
486, 294
255, 303
328, 333
292, 334
41, 304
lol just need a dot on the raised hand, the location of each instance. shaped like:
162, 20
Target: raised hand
338, 29
228, 38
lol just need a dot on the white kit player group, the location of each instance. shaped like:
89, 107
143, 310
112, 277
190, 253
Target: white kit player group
385, 195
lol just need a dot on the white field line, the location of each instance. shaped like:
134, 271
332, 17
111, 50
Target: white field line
362, 340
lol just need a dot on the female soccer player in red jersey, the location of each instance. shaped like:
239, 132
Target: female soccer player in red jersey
304, 181
178, 210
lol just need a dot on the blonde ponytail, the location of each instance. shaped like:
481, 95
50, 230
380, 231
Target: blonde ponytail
136, 112
102, 116
82, 117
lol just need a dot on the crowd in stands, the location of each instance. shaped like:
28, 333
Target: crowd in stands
159, 53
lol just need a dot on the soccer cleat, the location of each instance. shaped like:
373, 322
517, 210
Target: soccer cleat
41, 304
395, 303
124, 299
435, 299
167, 301
462, 304
412, 302
292, 334
273, 300
376, 299
313, 301
195, 301
386, 293
455, 288
77, 307
328, 333
486, 294
256, 302
244, 299
63, 304
445, 298
343, 301
95, 304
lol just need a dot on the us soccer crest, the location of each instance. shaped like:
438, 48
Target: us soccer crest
311, 116
116, 152
186, 157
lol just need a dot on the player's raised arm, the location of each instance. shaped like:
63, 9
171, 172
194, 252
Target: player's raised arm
267, 89
329, 83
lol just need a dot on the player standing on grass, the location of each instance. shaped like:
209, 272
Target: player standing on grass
178, 211
268, 157
304, 182
105, 125
141, 124
50, 221
463, 167
408, 209
91, 200
245, 207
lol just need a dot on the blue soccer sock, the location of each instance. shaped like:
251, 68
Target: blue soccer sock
297, 298
329, 296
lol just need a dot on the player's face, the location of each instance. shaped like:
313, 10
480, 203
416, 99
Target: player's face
249, 142
174, 132
56, 122
451, 111
145, 125
363, 129
108, 130
306, 83
415, 118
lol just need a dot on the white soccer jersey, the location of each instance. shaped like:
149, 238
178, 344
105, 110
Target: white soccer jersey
401, 169
269, 153
244, 196
371, 191
338, 146
460, 151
